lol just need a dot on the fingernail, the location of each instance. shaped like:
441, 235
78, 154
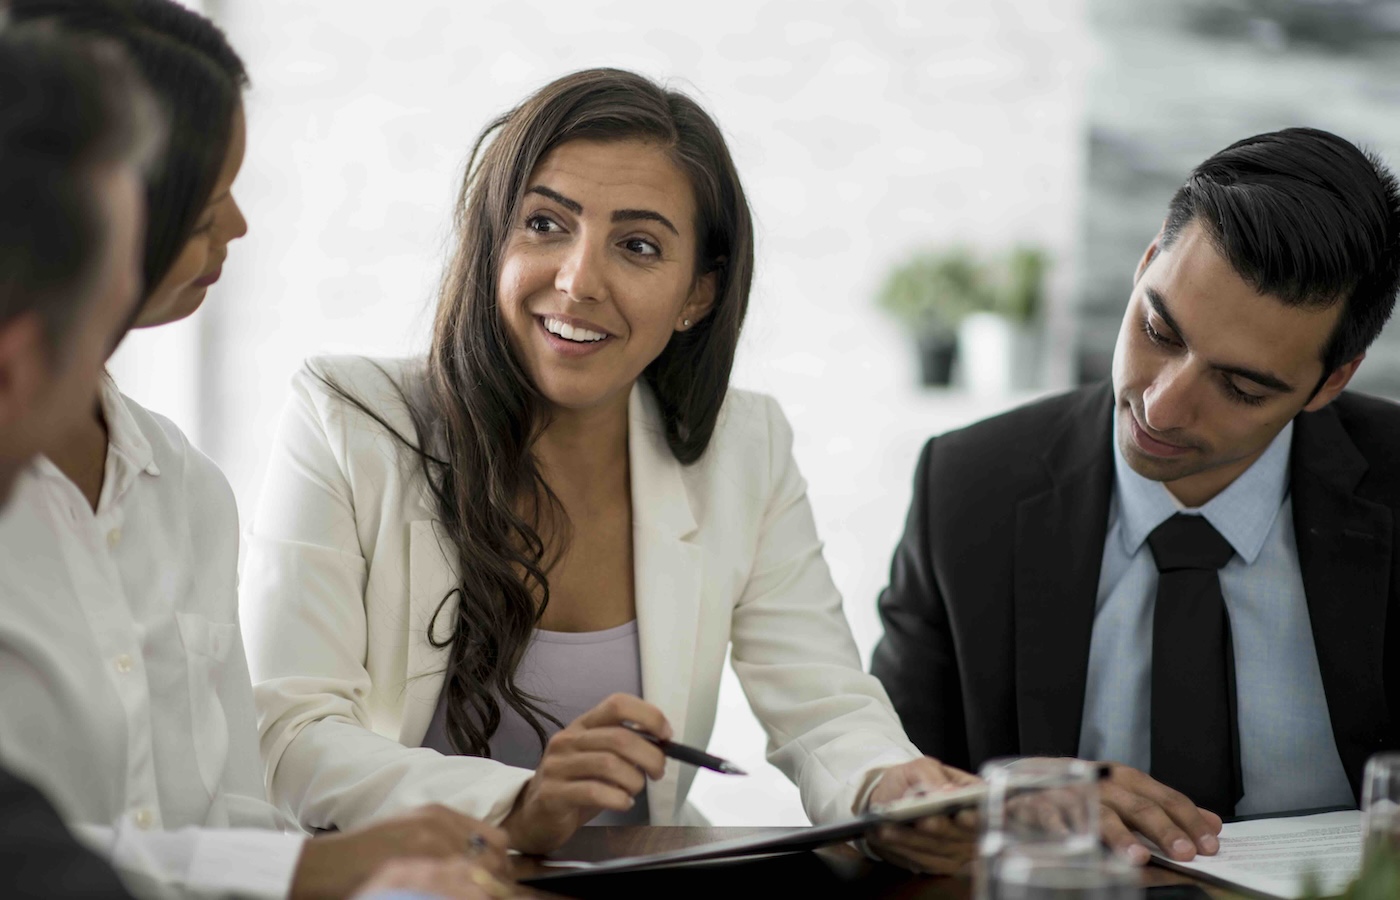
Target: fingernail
1138, 855
631, 802
1183, 849
1208, 843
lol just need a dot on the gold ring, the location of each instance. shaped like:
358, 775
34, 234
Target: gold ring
489, 883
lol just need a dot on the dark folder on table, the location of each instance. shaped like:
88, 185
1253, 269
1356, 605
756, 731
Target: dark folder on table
794, 840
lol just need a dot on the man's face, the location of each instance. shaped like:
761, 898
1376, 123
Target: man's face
49, 386
1207, 371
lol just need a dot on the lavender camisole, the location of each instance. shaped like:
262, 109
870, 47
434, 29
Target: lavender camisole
573, 672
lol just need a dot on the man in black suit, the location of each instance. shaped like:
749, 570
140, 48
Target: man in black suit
76, 130
1191, 571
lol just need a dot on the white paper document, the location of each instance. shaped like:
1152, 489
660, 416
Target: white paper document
1276, 857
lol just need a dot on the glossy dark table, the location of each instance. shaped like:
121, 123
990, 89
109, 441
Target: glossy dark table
837, 871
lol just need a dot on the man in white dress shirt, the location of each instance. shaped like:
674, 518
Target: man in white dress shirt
75, 130
123, 690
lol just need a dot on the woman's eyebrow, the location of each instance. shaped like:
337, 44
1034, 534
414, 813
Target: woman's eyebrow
643, 215
572, 206
620, 215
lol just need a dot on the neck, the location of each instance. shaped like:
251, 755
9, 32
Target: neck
81, 455
583, 453
1197, 490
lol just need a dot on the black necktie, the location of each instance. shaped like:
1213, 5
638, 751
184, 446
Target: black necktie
1195, 729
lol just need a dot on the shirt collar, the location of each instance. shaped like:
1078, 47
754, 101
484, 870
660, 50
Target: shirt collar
124, 435
1243, 513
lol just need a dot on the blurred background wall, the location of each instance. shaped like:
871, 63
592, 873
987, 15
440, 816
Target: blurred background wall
868, 134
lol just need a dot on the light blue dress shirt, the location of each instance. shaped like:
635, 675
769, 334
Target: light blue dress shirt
1287, 753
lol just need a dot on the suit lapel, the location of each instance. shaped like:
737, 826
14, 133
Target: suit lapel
430, 577
1344, 545
1058, 553
667, 573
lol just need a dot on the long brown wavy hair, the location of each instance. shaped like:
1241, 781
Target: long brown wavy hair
477, 413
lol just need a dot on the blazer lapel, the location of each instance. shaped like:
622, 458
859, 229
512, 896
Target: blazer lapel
1344, 546
667, 573
431, 576
1058, 553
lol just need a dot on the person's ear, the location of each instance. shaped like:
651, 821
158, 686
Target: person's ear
700, 302
1147, 256
24, 368
1334, 385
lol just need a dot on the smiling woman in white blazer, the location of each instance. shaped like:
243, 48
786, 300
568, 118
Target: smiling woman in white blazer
642, 503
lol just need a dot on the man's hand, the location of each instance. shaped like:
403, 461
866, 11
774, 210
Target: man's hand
938, 845
336, 865
449, 879
1132, 801
594, 764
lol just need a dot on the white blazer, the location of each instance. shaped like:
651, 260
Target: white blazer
345, 568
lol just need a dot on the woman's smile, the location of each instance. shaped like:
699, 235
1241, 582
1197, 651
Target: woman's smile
572, 337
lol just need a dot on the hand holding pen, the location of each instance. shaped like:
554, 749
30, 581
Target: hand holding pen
686, 754
593, 764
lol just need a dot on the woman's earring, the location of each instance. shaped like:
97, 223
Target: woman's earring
685, 322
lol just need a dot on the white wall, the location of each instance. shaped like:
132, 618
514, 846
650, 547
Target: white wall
861, 129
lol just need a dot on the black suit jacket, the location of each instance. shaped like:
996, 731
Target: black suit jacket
39, 857
992, 590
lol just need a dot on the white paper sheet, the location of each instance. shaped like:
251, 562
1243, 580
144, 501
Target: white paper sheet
1276, 856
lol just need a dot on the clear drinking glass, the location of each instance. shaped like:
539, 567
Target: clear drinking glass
1030, 873
1380, 806
1038, 809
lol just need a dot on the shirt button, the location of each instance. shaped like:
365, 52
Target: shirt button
114, 537
123, 663
144, 819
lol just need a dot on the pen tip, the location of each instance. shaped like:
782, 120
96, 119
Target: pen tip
731, 769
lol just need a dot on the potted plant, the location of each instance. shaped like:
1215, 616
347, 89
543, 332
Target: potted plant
1019, 291
931, 293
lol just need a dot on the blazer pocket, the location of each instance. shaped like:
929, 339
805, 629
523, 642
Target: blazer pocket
207, 646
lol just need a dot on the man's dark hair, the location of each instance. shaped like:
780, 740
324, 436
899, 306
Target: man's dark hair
1307, 217
70, 109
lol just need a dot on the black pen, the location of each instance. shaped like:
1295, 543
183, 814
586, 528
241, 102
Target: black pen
687, 754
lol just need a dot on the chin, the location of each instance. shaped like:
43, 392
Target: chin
573, 396
182, 306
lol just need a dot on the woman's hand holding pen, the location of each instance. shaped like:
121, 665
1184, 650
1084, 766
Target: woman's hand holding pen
593, 764
940, 845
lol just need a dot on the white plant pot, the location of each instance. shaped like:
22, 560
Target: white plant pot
997, 356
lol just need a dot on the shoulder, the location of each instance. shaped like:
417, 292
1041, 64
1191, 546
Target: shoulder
749, 414
750, 425
334, 383
357, 399
1004, 457
181, 462
1005, 435
1373, 425
1374, 420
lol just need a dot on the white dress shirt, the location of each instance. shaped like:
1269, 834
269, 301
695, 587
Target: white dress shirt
124, 690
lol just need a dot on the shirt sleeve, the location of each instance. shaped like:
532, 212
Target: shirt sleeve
198, 862
310, 621
829, 723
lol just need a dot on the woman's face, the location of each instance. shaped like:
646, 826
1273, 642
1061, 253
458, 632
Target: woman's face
201, 260
599, 269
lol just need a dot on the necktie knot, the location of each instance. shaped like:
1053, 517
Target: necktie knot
1188, 542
